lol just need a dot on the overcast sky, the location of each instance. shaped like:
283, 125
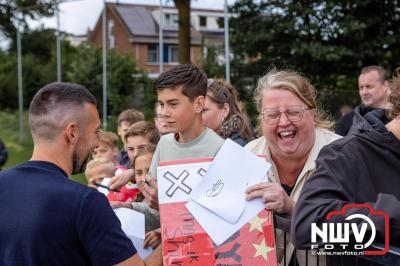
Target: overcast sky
76, 16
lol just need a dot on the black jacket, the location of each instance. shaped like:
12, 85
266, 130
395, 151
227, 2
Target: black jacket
346, 122
363, 167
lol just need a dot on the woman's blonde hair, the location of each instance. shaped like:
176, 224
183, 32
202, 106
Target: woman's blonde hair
298, 85
394, 97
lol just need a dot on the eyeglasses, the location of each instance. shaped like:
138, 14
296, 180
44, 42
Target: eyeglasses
272, 115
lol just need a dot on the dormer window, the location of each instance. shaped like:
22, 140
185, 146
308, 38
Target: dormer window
171, 20
203, 21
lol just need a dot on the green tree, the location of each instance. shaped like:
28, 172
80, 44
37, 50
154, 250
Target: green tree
127, 84
13, 10
329, 41
38, 63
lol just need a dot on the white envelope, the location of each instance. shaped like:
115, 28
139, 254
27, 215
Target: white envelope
222, 190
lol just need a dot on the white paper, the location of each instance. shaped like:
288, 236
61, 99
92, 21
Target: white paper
219, 229
133, 224
225, 183
218, 203
176, 182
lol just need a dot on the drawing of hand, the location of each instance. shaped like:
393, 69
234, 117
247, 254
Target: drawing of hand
216, 189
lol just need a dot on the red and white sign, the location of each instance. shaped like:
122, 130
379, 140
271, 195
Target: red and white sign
184, 240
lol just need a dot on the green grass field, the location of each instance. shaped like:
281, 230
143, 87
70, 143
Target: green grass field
19, 152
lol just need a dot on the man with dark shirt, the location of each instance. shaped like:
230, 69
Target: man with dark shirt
361, 168
374, 91
47, 219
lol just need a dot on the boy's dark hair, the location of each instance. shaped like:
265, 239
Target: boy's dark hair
143, 128
189, 78
131, 116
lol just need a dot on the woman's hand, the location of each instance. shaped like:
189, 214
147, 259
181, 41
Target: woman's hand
273, 195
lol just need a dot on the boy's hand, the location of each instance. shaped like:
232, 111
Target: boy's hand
150, 192
121, 180
119, 204
152, 239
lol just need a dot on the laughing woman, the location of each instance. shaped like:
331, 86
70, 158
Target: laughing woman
293, 134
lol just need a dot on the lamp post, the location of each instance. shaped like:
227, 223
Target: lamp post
226, 28
104, 66
160, 38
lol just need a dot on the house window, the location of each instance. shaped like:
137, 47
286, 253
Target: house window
203, 21
171, 20
173, 54
220, 22
152, 53
111, 39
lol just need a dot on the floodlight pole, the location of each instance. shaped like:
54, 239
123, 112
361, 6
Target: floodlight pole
226, 28
160, 38
20, 84
104, 67
58, 42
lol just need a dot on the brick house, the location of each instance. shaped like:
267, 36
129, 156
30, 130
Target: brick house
134, 29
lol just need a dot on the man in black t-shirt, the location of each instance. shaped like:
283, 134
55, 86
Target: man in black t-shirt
47, 219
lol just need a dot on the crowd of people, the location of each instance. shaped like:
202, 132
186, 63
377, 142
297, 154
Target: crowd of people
49, 219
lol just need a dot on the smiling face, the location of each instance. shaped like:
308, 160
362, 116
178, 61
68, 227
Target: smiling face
142, 165
286, 139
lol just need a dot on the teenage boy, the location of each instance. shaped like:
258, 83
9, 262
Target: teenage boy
139, 135
180, 92
125, 120
108, 146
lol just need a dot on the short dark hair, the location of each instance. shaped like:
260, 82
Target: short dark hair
143, 128
378, 69
187, 77
131, 116
53, 104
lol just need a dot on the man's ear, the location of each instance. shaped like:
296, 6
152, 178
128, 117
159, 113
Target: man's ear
72, 132
199, 104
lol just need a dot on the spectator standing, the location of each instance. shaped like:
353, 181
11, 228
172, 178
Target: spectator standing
374, 91
222, 113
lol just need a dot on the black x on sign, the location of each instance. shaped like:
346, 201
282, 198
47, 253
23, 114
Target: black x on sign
177, 182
